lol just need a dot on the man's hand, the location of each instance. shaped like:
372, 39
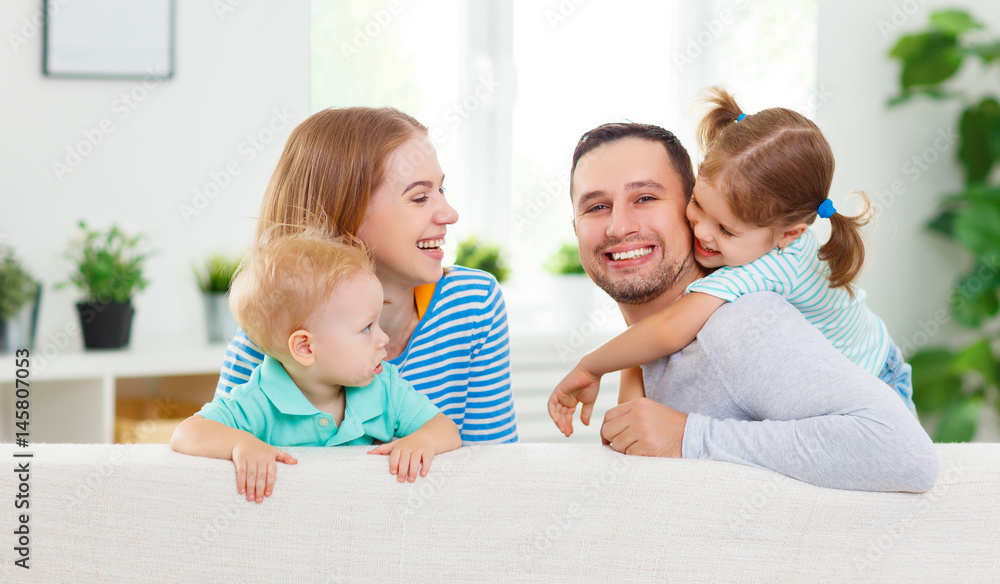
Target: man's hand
578, 387
645, 428
256, 467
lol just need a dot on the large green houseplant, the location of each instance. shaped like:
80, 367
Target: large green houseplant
108, 273
955, 384
19, 299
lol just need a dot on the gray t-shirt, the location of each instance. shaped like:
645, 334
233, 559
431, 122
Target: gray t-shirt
763, 387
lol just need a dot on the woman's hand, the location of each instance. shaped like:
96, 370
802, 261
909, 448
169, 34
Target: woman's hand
578, 387
257, 468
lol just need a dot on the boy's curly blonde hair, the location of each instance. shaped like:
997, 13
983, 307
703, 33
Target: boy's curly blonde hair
285, 278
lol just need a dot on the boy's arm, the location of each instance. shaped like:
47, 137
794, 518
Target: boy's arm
406, 455
255, 460
653, 337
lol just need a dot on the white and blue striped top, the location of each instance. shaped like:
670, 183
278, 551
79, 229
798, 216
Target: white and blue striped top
802, 278
458, 356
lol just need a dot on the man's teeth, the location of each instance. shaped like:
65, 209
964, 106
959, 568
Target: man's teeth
631, 254
430, 243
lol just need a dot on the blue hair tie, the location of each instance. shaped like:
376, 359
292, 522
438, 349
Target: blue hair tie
826, 209
740, 117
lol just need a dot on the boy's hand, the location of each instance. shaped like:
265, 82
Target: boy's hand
578, 387
256, 467
408, 455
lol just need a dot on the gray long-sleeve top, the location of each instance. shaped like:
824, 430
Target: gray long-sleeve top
763, 387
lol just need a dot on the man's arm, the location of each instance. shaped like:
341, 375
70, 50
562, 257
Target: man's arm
814, 415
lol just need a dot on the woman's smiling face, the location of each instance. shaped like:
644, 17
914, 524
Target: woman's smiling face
407, 217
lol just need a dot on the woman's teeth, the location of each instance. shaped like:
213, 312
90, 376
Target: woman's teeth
430, 243
632, 254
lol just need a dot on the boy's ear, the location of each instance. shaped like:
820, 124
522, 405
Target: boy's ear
300, 347
790, 234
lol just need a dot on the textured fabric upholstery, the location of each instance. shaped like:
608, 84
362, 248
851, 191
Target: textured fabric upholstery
502, 513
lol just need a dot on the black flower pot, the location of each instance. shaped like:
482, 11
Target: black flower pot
105, 325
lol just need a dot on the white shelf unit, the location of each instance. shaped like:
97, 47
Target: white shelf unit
73, 393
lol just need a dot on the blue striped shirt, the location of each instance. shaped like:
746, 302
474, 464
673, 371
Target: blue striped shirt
458, 356
802, 278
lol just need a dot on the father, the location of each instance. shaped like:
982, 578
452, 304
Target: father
760, 385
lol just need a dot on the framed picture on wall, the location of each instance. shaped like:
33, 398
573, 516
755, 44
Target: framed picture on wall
112, 39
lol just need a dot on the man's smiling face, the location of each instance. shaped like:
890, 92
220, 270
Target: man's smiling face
628, 204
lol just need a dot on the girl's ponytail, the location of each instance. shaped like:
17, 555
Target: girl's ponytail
724, 112
844, 252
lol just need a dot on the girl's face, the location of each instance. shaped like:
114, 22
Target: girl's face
720, 239
408, 217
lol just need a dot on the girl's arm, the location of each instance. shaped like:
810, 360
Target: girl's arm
255, 460
653, 337
631, 385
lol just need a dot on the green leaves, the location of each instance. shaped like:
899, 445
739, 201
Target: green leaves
928, 58
938, 380
954, 22
17, 287
108, 265
566, 260
979, 145
217, 273
485, 257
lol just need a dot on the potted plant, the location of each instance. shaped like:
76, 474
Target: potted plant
954, 385
481, 256
20, 296
108, 273
576, 296
214, 278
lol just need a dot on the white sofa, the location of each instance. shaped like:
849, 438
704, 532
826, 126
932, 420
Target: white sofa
516, 513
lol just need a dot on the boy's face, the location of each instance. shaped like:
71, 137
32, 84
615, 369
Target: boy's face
348, 344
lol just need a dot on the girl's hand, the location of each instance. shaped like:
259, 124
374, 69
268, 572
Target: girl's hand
408, 455
578, 387
257, 468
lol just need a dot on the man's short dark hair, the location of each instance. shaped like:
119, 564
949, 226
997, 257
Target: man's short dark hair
607, 133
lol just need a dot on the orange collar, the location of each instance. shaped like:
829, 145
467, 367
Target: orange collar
422, 297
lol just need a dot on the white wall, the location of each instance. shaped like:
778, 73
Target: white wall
239, 73
912, 271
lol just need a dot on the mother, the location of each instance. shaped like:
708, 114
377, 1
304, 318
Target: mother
374, 174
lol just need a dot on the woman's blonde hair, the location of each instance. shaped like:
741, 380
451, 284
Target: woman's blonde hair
330, 166
776, 167
286, 277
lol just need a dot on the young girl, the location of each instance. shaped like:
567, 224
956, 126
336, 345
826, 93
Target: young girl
764, 179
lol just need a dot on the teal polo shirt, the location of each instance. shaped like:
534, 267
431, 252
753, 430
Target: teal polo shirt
271, 407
